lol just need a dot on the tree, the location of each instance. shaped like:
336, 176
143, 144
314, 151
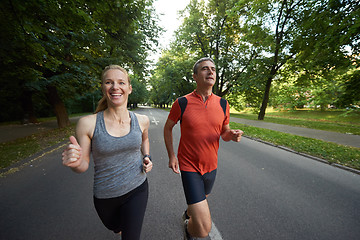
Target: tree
295, 30
351, 95
139, 93
59, 47
172, 76
298, 89
274, 19
209, 30
252, 42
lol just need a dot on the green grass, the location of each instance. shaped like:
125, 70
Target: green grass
330, 116
17, 150
334, 153
22, 148
336, 121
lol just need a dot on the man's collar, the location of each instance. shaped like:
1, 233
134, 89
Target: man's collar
197, 95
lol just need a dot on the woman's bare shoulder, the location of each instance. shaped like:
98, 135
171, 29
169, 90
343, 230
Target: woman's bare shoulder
143, 121
86, 125
88, 119
142, 117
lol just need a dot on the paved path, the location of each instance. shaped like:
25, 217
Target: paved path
340, 138
12, 132
261, 192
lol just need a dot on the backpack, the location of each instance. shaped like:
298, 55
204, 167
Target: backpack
183, 102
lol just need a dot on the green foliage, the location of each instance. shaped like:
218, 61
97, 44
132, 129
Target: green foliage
285, 53
172, 77
139, 93
85, 103
329, 30
66, 44
209, 30
295, 45
350, 97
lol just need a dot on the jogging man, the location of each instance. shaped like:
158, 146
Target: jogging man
204, 117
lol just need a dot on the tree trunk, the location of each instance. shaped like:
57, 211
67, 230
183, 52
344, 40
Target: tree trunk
58, 106
28, 108
265, 99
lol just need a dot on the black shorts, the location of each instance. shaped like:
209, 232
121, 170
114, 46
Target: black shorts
124, 213
197, 186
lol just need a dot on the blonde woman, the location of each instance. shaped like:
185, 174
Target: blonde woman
118, 141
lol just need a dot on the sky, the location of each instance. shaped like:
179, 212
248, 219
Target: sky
168, 14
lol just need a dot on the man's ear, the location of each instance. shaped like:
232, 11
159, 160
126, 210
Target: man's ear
130, 89
194, 77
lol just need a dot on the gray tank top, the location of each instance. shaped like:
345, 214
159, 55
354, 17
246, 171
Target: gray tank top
118, 160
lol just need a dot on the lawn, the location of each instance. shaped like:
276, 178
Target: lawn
331, 120
332, 152
19, 149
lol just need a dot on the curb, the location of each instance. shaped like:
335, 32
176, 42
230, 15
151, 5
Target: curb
356, 171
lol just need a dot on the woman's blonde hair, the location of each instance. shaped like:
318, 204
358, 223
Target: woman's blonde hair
102, 104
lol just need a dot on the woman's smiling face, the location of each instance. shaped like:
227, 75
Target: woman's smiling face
116, 87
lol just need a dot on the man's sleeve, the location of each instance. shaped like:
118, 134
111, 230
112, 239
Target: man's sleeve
175, 112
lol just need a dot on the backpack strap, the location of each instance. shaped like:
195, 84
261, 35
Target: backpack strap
182, 103
223, 104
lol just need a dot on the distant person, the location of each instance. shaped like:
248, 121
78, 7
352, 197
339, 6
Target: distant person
118, 141
204, 117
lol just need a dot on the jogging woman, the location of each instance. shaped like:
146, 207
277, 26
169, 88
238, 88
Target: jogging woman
119, 144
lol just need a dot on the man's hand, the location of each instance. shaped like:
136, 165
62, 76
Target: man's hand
236, 135
174, 165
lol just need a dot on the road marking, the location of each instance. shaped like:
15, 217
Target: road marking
154, 121
214, 233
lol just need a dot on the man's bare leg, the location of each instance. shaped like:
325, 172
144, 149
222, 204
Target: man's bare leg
200, 219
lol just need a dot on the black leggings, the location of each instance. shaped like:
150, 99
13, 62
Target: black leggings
124, 214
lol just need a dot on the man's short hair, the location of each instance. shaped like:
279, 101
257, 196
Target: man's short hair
196, 65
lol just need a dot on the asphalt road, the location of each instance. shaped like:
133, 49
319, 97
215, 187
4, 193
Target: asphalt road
261, 192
